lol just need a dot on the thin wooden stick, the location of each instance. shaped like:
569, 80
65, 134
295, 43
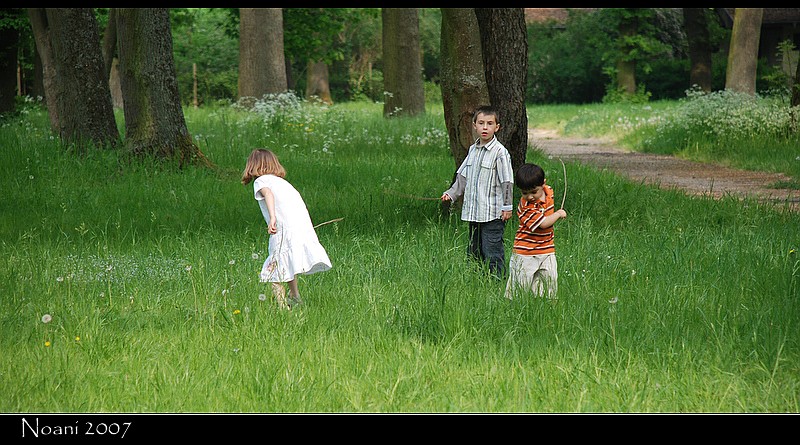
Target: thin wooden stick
423, 198
328, 222
565, 183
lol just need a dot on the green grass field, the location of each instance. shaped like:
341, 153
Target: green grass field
150, 279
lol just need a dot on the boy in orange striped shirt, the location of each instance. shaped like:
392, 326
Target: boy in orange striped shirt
533, 265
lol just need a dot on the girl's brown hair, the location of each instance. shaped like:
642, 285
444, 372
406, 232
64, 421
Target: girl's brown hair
262, 162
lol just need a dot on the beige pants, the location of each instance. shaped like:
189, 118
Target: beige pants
536, 274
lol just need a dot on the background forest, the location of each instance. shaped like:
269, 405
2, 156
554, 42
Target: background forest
568, 63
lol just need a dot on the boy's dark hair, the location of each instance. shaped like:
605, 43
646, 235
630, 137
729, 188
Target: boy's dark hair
487, 110
529, 176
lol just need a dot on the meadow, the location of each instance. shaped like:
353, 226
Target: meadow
130, 287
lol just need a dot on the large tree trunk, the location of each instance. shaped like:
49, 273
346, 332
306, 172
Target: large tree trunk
79, 88
626, 66
317, 82
44, 46
743, 56
154, 122
262, 64
463, 79
402, 63
9, 38
696, 24
504, 44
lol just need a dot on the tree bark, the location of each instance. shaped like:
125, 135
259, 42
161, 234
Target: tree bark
743, 56
402, 63
262, 64
796, 86
626, 66
463, 79
504, 46
317, 82
80, 89
9, 38
696, 26
44, 46
154, 121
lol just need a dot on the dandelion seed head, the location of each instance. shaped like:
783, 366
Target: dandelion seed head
232, 262
59, 279
613, 300
47, 318
262, 297
254, 256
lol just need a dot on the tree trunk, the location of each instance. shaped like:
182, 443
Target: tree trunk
9, 38
696, 26
626, 65
262, 64
317, 82
44, 46
743, 56
504, 44
80, 88
154, 122
402, 63
463, 79
796, 86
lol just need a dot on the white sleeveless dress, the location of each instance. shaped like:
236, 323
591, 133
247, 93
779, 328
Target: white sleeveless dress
295, 248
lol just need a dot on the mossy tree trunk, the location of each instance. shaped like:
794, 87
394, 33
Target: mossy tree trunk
9, 39
504, 46
402, 63
463, 79
262, 64
743, 56
78, 96
696, 25
154, 121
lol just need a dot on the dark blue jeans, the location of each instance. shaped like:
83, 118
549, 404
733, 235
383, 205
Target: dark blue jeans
486, 244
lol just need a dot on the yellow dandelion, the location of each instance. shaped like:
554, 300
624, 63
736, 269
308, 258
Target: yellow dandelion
77, 338
237, 312
47, 344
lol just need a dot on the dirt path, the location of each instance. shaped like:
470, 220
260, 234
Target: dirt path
666, 171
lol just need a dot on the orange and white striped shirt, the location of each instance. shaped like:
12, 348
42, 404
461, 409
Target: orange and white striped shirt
531, 239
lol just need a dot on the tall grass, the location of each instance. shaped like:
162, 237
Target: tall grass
667, 303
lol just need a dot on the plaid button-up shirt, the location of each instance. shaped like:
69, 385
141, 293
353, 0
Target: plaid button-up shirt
484, 170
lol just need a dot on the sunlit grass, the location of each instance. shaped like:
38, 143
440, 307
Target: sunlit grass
149, 279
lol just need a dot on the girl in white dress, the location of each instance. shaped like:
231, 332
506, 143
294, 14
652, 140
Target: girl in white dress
293, 244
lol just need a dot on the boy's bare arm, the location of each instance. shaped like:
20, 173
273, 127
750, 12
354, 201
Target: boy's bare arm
549, 220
